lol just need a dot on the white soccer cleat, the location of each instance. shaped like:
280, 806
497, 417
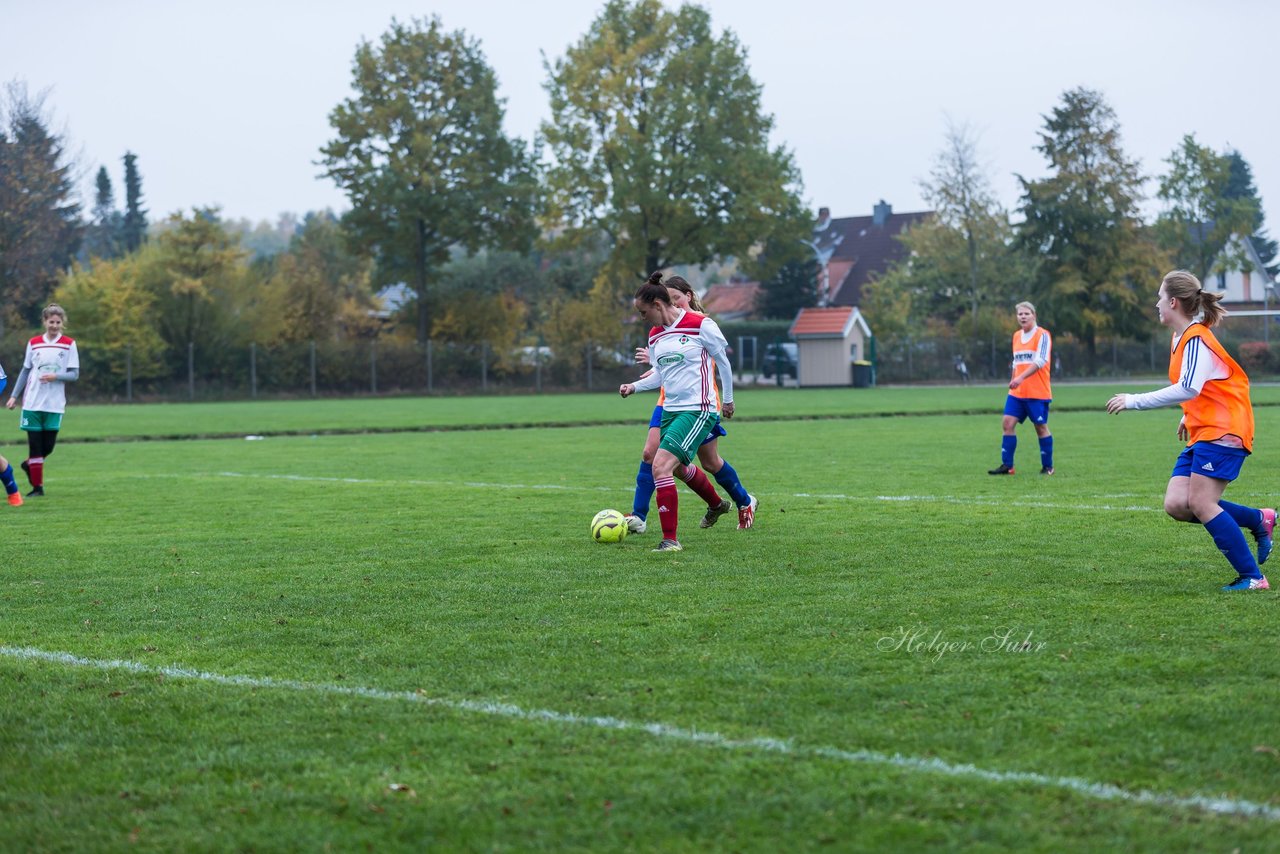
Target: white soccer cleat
635, 524
747, 515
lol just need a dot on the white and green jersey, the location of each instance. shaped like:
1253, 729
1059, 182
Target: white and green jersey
682, 355
48, 357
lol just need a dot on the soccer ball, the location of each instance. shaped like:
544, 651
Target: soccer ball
609, 526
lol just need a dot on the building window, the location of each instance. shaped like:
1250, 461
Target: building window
853, 352
1222, 281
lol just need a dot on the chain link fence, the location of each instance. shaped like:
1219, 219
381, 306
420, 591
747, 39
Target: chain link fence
390, 366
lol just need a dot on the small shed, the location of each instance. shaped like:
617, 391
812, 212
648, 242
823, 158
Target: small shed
830, 340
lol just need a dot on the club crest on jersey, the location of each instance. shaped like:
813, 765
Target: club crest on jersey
670, 359
684, 339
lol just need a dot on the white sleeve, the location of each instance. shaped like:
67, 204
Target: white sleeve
649, 381
1199, 365
1042, 352
717, 345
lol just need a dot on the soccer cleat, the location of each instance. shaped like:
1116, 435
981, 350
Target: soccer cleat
36, 492
1004, 469
669, 546
635, 524
15, 498
747, 515
714, 513
1245, 583
1264, 539
1043, 470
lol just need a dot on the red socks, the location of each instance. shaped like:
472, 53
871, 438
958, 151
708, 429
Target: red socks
700, 484
35, 471
668, 506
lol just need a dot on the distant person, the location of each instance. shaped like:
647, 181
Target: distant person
54, 361
962, 369
683, 297
1029, 392
683, 346
1217, 425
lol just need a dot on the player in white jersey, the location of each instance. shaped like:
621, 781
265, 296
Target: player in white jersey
51, 362
687, 350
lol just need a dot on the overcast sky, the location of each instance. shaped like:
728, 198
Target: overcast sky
227, 103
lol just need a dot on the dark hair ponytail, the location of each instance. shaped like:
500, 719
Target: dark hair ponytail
653, 290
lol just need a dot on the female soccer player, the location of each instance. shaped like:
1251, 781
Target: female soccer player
55, 361
1217, 424
682, 347
683, 297
1029, 393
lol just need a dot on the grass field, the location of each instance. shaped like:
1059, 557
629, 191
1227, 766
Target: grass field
402, 639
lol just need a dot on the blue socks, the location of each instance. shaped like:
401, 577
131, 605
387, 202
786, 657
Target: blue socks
1008, 444
1046, 452
644, 490
1230, 540
10, 485
1248, 518
728, 478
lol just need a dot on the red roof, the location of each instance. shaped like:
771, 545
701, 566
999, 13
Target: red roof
822, 321
732, 301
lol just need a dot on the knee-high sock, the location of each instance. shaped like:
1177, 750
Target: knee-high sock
644, 490
35, 471
1046, 451
700, 484
1230, 540
668, 506
1248, 518
10, 485
1008, 444
728, 479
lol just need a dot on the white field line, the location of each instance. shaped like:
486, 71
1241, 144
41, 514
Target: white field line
971, 501
1099, 791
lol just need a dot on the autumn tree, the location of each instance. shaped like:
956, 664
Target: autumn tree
421, 154
1199, 216
657, 139
114, 311
1097, 267
40, 228
196, 277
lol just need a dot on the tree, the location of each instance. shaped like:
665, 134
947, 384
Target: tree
972, 257
1098, 270
658, 141
104, 237
116, 313
1240, 186
421, 154
314, 285
1200, 217
40, 228
196, 278
794, 286
135, 217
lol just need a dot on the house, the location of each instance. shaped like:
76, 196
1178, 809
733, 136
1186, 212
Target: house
731, 301
1240, 286
852, 250
830, 339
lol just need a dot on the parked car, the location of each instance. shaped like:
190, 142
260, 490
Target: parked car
781, 358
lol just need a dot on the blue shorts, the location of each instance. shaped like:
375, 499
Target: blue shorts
1023, 408
656, 421
1210, 460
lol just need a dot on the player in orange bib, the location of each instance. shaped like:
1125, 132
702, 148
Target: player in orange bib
1029, 392
1217, 425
